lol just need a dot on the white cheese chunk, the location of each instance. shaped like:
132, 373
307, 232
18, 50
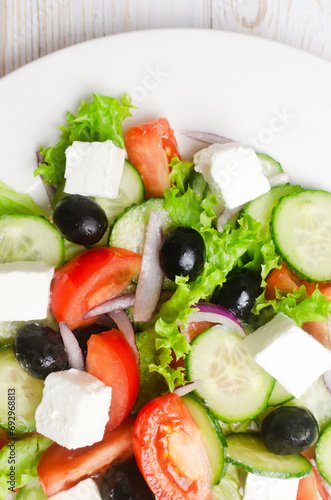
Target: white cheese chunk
233, 172
267, 488
85, 490
24, 290
74, 408
288, 353
94, 169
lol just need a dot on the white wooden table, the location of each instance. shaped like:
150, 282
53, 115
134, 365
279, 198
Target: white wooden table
32, 28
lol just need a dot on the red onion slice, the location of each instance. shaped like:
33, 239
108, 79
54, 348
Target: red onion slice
207, 137
216, 314
116, 304
151, 276
279, 179
327, 380
74, 352
124, 324
187, 388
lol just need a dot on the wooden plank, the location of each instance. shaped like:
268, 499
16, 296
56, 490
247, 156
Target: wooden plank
305, 24
32, 28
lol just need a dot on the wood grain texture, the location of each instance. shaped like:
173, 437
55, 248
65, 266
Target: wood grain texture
305, 24
33, 28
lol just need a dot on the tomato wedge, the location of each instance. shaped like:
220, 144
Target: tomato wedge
60, 469
111, 359
323, 286
282, 279
89, 279
311, 487
319, 329
170, 452
150, 148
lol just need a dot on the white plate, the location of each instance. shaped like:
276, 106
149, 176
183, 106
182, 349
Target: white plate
252, 90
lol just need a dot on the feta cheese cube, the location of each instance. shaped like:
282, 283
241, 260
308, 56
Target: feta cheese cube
233, 172
24, 290
94, 169
268, 488
85, 490
288, 353
74, 408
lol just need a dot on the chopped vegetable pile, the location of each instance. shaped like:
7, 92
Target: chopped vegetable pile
165, 332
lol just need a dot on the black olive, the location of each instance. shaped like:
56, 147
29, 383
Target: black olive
124, 482
239, 292
289, 429
83, 333
39, 350
80, 219
183, 253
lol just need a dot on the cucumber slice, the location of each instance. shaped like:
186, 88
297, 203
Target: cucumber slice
131, 191
212, 435
129, 230
17, 387
279, 395
72, 249
228, 488
247, 451
261, 208
269, 165
30, 237
323, 454
32, 491
301, 230
234, 386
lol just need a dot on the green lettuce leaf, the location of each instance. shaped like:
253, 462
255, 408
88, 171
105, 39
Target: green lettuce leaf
151, 384
298, 305
32, 491
180, 173
98, 120
12, 202
22, 457
229, 486
223, 251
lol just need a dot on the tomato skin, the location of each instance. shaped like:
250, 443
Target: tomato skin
323, 286
163, 419
89, 279
60, 469
111, 359
311, 487
282, 279
150, 148
319, 329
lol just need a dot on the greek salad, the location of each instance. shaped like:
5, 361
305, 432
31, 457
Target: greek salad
164, 329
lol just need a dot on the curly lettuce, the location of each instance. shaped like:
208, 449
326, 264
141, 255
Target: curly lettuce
98, 120
224, 252
19, 460
298, 305
12, 202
